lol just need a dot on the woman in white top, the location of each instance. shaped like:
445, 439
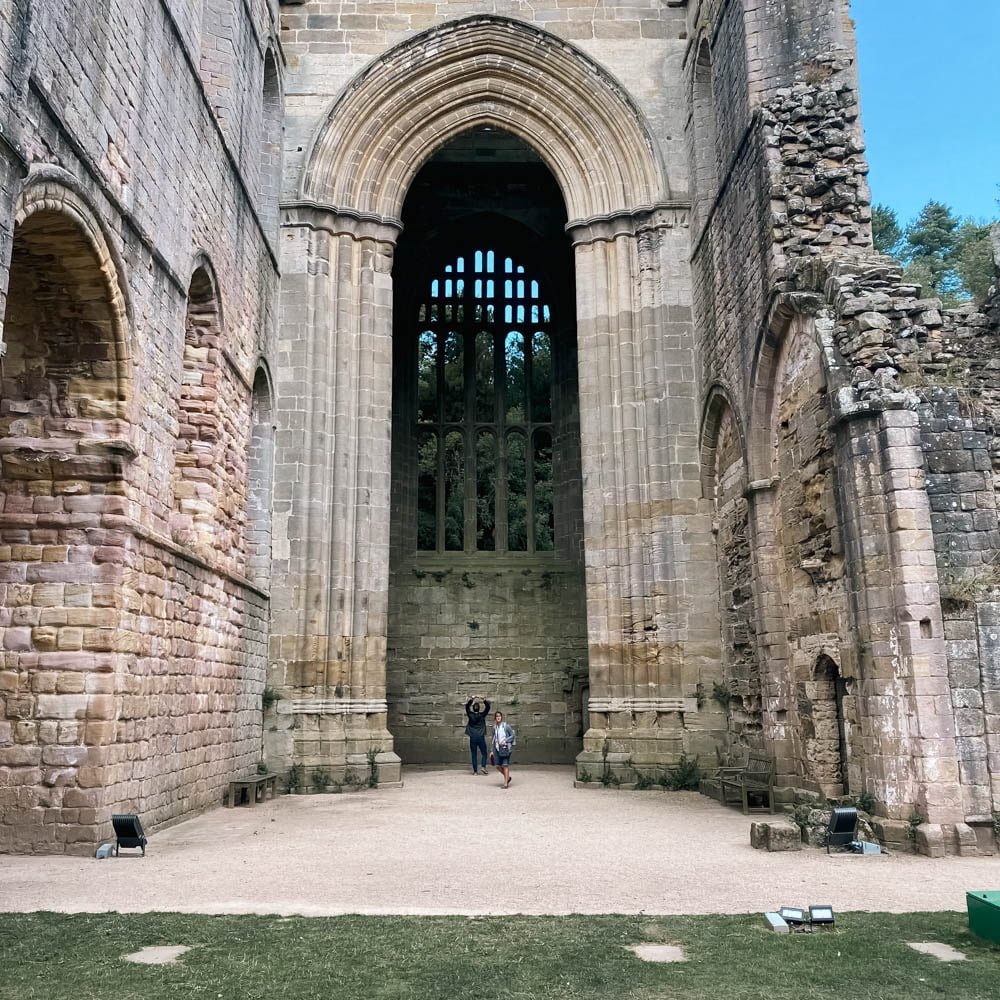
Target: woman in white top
503, 744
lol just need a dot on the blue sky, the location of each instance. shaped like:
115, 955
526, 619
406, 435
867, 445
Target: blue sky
930, 103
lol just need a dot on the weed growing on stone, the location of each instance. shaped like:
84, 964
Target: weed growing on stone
685, 775
296, 778
865, 801
721, 694
320, 780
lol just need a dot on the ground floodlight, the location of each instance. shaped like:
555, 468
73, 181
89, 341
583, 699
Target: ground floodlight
821, 914
793, 914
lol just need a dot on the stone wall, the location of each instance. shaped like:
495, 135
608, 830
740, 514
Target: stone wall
133, 665
951, 364
516, 634
641, 42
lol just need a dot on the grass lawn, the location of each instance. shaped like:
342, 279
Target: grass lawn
78, 957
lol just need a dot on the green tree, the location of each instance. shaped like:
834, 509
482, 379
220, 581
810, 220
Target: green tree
886, 231
931, 248
974, 260
948, 257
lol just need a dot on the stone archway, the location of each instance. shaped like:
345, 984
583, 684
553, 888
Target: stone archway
647, 594
64, 452
735, 689
486, 570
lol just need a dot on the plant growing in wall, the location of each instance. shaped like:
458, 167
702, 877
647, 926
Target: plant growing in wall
372, 768
643, 781
685, 775
295, 779
721, 694
865, 802
608, 777
320, 780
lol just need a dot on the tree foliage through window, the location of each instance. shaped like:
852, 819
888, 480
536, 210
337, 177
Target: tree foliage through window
484, 409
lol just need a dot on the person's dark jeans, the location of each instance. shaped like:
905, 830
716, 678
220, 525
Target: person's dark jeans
478, 743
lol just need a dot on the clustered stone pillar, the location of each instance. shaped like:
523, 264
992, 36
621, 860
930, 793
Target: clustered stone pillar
772, 640
651, 611
331, 588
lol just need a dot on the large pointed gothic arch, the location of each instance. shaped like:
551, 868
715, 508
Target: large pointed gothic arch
648, 598
485, 71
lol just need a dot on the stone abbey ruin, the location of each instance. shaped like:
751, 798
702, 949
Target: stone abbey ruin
362, 357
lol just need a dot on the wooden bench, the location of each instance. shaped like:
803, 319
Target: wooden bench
755, 779
256, 788
728, 765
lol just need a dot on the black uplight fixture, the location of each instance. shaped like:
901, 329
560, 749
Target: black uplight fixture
821, 915
793, 915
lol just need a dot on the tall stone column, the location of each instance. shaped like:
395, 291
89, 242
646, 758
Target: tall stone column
771, 628
651, 608
332, 475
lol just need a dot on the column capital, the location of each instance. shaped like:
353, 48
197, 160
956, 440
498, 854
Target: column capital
339, 221
630, 222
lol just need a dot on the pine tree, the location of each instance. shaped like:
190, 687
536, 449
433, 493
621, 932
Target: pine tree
886, 231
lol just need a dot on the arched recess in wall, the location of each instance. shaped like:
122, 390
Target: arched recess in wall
272, 120
59, 243
260, 485
793, 448
701, 130
196, 475
485, 72
64, 453
823, 697
736, 690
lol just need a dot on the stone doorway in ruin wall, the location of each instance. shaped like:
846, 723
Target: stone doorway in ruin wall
487, 580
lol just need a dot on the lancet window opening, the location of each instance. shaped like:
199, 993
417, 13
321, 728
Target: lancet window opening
484, 409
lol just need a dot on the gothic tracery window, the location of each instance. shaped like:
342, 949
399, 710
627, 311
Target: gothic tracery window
484, 409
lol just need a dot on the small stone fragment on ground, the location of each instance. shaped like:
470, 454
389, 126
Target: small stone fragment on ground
658, 952
775, 835
943, 952
160, 954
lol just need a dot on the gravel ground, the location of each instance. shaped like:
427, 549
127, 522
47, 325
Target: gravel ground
449, 842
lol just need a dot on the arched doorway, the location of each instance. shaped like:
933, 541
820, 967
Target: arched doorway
486, 582
651, 617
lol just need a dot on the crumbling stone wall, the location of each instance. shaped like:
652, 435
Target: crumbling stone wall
843, 501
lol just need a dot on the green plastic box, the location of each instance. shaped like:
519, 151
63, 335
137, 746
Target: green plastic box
984, 914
